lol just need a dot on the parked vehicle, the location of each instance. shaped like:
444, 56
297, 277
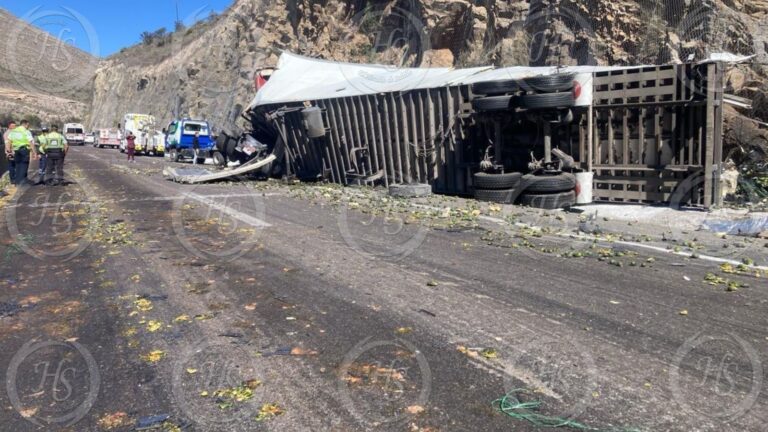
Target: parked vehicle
74, 133
148, 139
108, 138
90, 138
178, 140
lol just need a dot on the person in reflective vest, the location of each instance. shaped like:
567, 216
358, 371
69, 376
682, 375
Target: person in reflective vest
21, 144
9, 151
43, 158
55, 148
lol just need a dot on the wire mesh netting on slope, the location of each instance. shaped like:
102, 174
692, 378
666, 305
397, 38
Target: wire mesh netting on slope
631, 32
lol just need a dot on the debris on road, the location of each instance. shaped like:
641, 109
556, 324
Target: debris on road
296, 351
201, 175
9, 309
153, 297
114, 421
415, 409
228, 397
749, 226
426, 312
154, 326
232, 335
268, 411
153, 356
511, 405
151, 422
144, 305
489, 353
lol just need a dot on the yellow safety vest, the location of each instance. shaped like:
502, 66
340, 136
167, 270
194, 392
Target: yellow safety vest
51, 141
20, 138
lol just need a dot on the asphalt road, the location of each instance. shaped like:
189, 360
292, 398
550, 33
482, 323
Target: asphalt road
265, 306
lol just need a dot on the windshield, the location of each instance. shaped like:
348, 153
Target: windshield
75, 131
191, 128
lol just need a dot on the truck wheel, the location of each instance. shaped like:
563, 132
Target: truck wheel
545, 184
503, 196
499, 87
544, 101
492, 103
175, 155
549, 201
218, 159
497, 181
550, 83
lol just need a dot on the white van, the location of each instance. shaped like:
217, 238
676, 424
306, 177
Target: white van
74, 133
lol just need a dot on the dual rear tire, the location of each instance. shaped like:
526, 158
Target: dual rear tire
548, 191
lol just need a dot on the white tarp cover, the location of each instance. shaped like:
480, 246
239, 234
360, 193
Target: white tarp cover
298, 79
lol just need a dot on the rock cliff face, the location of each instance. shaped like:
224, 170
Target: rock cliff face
211, 71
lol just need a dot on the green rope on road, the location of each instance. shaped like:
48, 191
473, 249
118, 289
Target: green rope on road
512, 406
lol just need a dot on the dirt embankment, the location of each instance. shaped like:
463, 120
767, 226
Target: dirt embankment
40, 74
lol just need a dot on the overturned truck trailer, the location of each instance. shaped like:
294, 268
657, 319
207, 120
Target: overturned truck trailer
650, 134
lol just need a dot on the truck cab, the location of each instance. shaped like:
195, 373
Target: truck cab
179, 135
148, 139
74, 133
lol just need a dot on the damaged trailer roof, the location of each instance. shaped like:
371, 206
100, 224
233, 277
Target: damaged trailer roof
298, 79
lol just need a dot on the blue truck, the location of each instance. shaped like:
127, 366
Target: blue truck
178, 140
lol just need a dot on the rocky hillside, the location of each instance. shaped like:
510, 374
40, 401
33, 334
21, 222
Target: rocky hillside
41, 75
209, 73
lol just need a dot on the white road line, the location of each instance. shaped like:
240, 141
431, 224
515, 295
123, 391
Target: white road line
242, 217
587, 237
154, 199
208, 201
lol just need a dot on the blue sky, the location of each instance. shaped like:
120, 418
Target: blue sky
102, 27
